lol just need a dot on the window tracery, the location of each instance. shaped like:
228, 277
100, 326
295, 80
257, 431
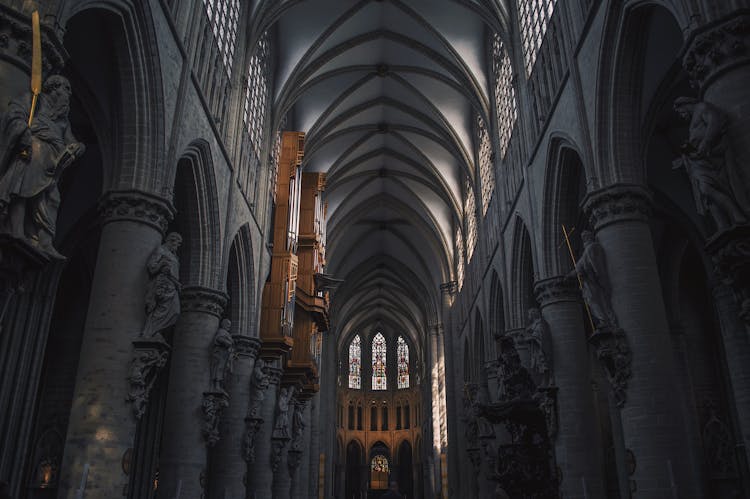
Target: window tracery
486, 170
256, 94
460, 254
470, 216
379, 377
402, 354
506, 105
534, 16
224, 16
355, 363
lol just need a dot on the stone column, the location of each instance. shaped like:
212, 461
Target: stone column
313, 461
300, 449
260, 474
577, 439
102, 425
652, 420
183, 455
229, 466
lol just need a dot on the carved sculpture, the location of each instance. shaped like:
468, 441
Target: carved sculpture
718, 445
213, 405
298, 430
540, 346
163, 291
32, 160
281, 427
614, 353
258, 383
706, 160
514, 381
252, 427
144, 368
597, 292
221, 356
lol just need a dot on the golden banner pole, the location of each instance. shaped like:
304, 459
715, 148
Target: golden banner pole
580, 282
36, 62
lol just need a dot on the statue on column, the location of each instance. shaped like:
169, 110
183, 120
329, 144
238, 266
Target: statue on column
706, 160
540, 346
597, 292
163, 291
221, 356
32, 160
471, 433
258, 385
281, 428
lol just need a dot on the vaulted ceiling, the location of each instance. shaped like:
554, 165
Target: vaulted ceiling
387, 93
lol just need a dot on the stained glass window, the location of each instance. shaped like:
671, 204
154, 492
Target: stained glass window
379, 378
379, 464
486, 171
355, 363
256, 94
470, 213
223, 16
505, 94
534, 16
402, 353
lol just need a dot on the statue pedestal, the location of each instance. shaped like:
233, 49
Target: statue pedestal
17, 258
614, 353
214, 403
730, 252
149, 357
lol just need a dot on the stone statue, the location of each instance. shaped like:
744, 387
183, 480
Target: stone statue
221, 356
705, 160
540, 345
298, 425
514, 381
718, 445
281, 428
258, 383
213, 405
481, 398
163, 291
144, 367
597, 292
32, 159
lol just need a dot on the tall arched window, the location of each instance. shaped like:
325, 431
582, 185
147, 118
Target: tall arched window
355, 363
534, 16
402, 354
470, 216
486, 170
505, 94
224, 15
379, 378
256, 94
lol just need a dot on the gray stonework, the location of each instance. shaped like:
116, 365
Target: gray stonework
407, 107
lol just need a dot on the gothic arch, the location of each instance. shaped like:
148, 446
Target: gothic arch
522, 275
240, 282
564, 189
197, 217
127, 29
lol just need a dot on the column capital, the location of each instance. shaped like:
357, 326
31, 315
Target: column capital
205, 300
246, 346
617, 203
716, 48
556, 289
136, 206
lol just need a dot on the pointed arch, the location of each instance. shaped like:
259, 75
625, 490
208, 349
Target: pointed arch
379, 362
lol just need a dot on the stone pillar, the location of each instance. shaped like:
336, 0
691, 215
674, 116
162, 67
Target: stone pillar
260, 476
183, 454
577, 439
652, 419
737, 351
102, 426
314, 456
229, 466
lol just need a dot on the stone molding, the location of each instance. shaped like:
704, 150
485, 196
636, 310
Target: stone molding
15, 43
203, 300
556, 289
246, 346
716, 48
618, 203
136, 206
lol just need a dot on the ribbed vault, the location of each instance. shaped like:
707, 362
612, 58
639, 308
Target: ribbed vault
387, 93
